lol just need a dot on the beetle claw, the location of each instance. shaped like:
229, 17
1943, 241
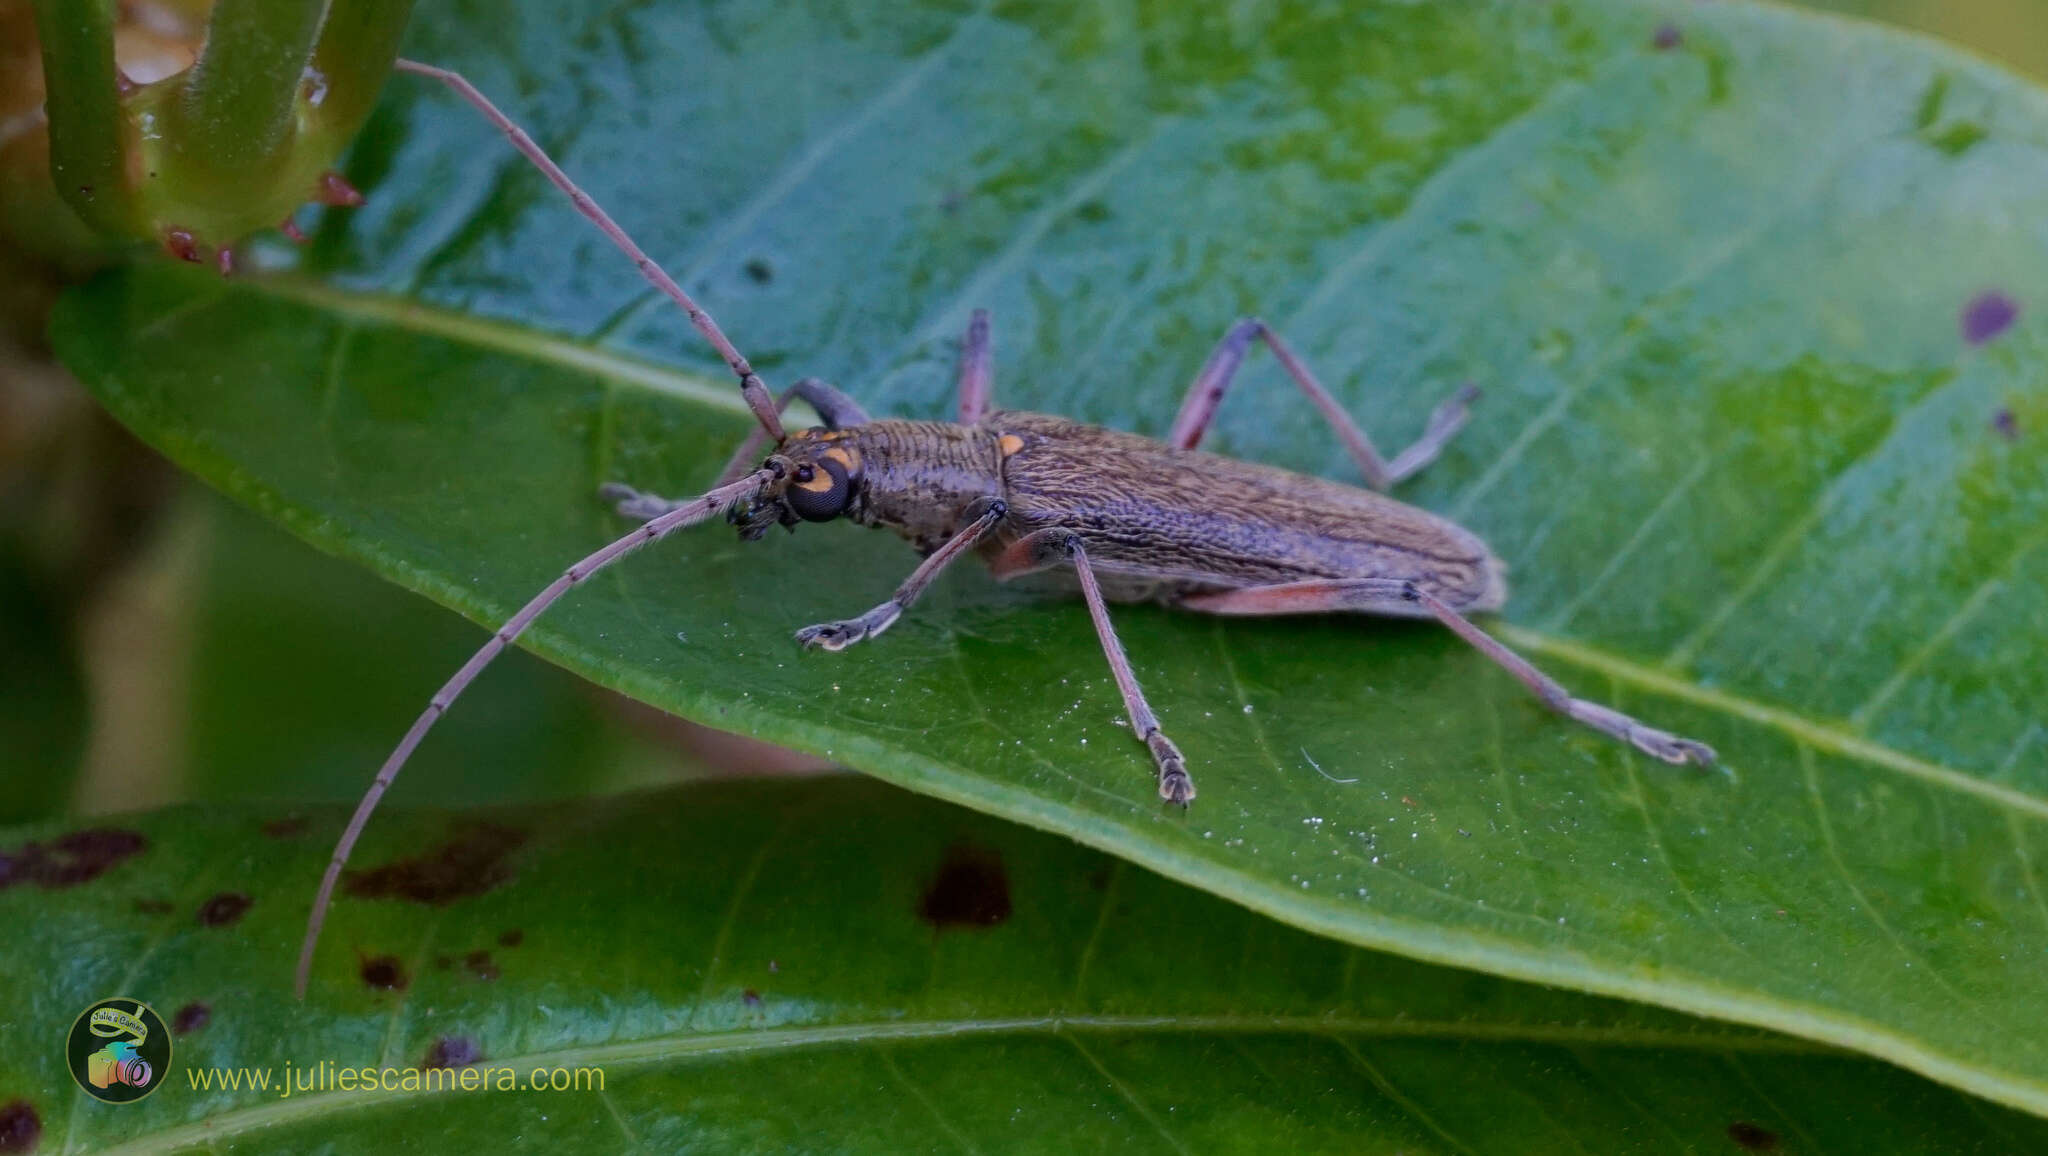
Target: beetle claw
832, 635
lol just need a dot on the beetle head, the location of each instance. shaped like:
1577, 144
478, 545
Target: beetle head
817, 477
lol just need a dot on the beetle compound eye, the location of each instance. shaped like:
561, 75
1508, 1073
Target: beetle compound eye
820, 493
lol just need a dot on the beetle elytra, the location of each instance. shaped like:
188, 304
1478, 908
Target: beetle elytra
1120, 516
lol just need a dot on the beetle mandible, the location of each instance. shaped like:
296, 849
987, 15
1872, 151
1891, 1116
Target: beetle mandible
1124, 517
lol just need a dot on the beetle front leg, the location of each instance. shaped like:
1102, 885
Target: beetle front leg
1206, 394
631, 503
840, 635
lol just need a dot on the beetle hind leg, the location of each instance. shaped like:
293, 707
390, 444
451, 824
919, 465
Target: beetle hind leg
1394, 597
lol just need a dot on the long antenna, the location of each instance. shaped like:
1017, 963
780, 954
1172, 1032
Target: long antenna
758, 399
751, 386
686, 514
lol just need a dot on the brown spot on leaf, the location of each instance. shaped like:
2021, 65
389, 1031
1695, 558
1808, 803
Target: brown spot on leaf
970, 890
1987, 315
68, 860
751, 998
481, 965
453, 1052
385, 973
2007, 425
759, 271
1753, 1137
289, 827
1667, 37
224, 908
512, 938
471, 863
192, 1017
20, 1127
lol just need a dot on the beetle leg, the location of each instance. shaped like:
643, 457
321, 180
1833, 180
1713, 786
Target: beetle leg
631, 503
977, 369
840, 635
1389, 596
1174, 784
1206, 394
1039, 550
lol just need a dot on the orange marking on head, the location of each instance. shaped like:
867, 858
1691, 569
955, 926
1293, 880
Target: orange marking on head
846, 456
1009, 444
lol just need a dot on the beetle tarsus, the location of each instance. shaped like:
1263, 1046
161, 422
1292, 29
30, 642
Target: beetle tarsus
1175, 786
631, 503
833, 635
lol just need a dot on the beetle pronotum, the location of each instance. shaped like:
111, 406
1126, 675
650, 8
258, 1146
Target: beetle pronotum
1128, 517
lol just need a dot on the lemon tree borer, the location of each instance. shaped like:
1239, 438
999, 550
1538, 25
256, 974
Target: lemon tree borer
1117, 516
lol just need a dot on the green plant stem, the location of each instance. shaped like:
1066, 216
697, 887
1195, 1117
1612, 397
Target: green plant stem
234, 119
357, 45
84, 108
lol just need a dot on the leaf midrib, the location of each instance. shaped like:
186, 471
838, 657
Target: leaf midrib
1831, 737
642, 1053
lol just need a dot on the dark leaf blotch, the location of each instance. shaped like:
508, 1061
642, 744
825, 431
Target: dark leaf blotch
224, 909
1753, 1137
385, 973
970, 890
69, 860
289, 827
20, 1127
1987, 315
453, 1052
192, 1017
468, 864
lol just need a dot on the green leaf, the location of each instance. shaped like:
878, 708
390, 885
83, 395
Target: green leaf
267, 604
1753, 481
837, 965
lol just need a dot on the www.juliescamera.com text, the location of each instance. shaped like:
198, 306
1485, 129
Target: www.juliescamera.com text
324, 1077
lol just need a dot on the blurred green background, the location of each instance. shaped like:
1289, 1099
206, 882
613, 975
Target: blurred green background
159, 644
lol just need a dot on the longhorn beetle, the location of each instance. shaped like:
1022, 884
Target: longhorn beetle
1126, 517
